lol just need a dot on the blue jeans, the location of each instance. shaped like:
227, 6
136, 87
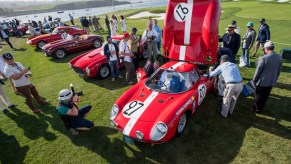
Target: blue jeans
159, 45
246, 56
80, 121
112, 64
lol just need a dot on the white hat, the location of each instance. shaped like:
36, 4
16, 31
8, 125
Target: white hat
268, 44
65, 94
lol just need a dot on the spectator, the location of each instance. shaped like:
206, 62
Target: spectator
159, 38
127, 54
122, 24
72, 116
247, 44
90, 24
17, 22
111, 51
19, 76
50, 19
263, 35
15, 30
81, 22
96, 24
233, 79
61, 23
150, 21
107, 23
112, 27
41, 28
72, 19
149, 38
231, 39
133, 46
115, 22
237, 29
266, 75
34, 24
6, 37
31, 30
86, 24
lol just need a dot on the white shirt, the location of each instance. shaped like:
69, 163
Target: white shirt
113, 57
123, 24
9, 70
124, 47
148, 33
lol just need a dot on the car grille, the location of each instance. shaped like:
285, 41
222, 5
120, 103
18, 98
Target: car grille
79, 71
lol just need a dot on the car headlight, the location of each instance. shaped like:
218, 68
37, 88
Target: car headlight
159, 131
114, 112
29, 42
139, 135
138, 76
70, 65
88, 71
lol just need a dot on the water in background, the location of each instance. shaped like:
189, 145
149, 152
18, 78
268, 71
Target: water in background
89, 11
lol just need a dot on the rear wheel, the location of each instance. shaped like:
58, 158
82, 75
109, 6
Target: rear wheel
103, 72
60, 54
76, 36
20, 33
97, 43
181, 125
40, 44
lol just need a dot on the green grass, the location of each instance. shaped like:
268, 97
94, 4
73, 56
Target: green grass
242, 138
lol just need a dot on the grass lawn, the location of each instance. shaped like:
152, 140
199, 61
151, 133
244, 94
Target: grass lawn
244, 137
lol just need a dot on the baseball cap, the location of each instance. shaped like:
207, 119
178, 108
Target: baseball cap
262, 20
7, 56
108, 38
126, 35
250, 24
268, 44
134, 29
224, 58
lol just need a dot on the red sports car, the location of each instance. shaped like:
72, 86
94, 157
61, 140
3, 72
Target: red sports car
41, 40
157, 108
94, 63
61, 48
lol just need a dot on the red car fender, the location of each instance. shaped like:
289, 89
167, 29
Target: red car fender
72, 62
95, 66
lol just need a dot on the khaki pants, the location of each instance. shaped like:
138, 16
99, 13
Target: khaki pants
4, 98
130, 74
230, 97
152, 49
27, 91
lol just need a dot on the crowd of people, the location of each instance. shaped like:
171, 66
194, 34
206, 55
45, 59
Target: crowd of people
229, 84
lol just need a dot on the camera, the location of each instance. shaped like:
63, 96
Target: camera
79, 93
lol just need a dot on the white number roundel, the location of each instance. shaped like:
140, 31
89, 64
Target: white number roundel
132, 109
181, 12
201, 93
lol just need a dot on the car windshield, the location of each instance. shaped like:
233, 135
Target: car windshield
56, 31
170, 81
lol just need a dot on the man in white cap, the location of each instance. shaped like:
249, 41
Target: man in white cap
266, 75
73, 116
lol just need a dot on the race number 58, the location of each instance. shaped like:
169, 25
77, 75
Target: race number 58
181, 12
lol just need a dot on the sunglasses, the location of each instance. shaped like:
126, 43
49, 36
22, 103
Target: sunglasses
9, 59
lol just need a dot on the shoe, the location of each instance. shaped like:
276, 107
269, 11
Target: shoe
74, 131
36, 111
129, 83
11, 106
5, 111
120, 76
113, 79
258, 111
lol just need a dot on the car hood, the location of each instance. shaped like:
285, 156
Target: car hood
152, 105
92, 56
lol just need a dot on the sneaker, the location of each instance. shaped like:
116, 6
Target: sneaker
113, 79
12, 106
120, 76
36, 111
74, 131
5, 111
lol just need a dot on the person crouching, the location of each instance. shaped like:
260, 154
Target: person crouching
73, 116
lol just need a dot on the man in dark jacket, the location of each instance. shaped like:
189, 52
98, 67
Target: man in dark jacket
266, 75
111, 51
107, 24
263, 35
231, 39
85, 23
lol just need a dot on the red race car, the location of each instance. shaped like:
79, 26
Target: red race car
41, 40
94, 63
61, 48
157, 108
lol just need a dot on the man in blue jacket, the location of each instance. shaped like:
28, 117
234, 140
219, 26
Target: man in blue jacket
263, 35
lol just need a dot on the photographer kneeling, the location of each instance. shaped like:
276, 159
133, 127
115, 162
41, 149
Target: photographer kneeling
72, 116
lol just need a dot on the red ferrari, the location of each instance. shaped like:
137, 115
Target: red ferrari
157, 108
41, 40
61, 48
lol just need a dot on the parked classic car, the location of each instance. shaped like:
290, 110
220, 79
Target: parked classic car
61, 48
157, 108
41, 40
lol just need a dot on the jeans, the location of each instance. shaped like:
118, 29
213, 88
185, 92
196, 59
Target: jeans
112, 64
246, 56
108, 28
79, 121
159, 45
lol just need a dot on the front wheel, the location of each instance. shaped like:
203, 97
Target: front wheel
181, 125
40, 44
103, 72
60, 54
97, 43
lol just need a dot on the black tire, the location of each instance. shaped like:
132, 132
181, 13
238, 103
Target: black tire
181, 124
103, 72
97, 43
60, 54
40, 44
20, 33
75, 36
